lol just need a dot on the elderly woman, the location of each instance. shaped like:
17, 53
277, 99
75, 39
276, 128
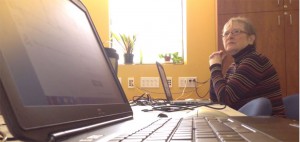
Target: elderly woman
250, 76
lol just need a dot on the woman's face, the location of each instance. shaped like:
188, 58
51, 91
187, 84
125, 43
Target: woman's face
235, 38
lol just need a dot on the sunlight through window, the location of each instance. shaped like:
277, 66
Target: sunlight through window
159, 26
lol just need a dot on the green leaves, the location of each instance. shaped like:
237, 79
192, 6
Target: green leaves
127, 42
164, 55
176, 59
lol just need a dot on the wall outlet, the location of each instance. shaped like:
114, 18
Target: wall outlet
130, 82
169, 81
187, 81
149, 82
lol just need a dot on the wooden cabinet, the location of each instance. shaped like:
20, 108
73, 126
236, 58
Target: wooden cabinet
292, 50
277, 27
245, 6
291, 4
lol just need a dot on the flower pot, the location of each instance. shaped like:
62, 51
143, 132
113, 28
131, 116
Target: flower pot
128, 58
167, 58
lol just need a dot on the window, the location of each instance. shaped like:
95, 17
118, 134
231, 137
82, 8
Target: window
159, 26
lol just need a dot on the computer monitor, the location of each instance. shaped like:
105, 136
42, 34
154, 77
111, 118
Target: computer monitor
54, 72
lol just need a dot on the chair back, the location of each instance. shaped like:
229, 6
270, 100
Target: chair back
257, 107
291, 105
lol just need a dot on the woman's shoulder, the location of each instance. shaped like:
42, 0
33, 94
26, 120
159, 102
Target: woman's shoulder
256, 57
257, 60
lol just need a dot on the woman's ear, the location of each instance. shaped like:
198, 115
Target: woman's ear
251, 39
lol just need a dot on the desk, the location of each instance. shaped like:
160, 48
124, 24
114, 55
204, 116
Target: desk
203, 110
275, 127
3, 127
227, 110
278, 128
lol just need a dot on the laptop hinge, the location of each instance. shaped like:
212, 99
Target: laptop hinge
64, 134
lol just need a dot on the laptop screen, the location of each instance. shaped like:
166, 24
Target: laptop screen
52, 63
60, 56
164, 81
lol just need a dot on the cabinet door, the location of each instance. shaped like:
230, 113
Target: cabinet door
292, 50
270, 39
244, 6
291, 4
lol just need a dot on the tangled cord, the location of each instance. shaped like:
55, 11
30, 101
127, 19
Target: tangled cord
146, 99
173, 108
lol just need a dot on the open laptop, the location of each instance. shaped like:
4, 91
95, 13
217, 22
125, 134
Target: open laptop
54, 73
169, 95
56, 82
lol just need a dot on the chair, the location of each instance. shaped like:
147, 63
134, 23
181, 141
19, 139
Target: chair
291, 104
257, 107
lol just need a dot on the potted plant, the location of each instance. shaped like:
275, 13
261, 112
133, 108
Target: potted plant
176, 59
166, 57
127, 42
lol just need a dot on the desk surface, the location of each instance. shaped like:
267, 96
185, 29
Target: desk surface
227, 110
138, 113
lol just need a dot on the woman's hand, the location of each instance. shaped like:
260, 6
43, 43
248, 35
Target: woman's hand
216, 57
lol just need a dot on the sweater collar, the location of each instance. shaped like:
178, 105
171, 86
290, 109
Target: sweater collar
241, 54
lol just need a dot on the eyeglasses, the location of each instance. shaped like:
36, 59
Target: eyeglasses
234, 32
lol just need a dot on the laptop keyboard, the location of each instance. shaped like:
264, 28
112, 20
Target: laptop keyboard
193, 129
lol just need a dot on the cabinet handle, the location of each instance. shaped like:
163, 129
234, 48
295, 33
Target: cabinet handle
291, 19
278, 18
290, 1
278, 2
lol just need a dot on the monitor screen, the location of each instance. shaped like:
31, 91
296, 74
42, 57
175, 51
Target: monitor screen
164, 81
57, 59
53, 67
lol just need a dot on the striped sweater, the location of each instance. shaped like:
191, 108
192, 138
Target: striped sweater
250, 76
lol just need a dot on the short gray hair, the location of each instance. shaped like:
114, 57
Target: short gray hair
249, 28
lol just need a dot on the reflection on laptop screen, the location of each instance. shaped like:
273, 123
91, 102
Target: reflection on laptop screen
60, 54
